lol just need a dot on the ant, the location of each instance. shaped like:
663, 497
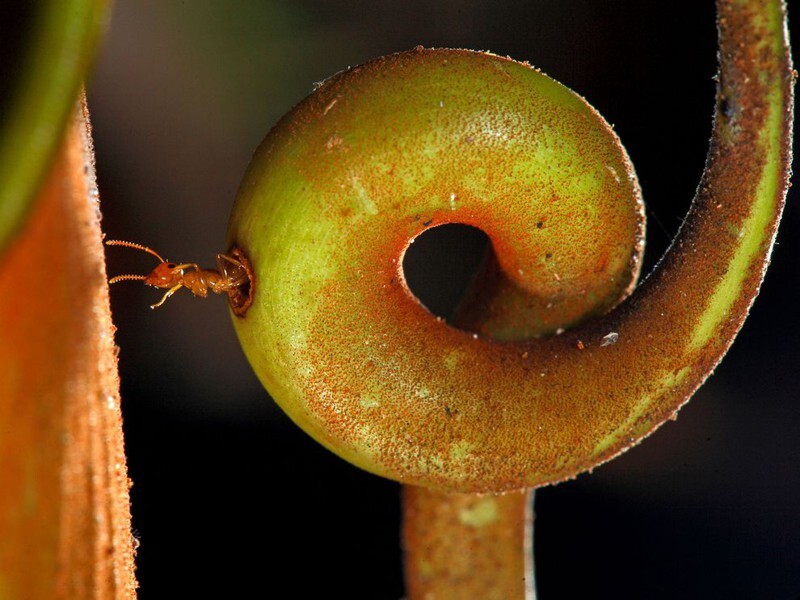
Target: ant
231, 275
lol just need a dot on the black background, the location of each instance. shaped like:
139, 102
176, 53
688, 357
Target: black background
231, 499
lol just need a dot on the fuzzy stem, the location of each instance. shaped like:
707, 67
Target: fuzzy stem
468, 545
64, 510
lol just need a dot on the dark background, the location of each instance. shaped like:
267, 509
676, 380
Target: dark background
231, 499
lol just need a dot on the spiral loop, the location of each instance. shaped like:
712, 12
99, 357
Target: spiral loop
347, 180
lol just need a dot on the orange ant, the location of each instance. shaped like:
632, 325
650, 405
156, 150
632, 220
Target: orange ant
231, 277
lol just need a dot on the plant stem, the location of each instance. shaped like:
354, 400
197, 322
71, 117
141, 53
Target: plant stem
64, 508
54, 63
468, 545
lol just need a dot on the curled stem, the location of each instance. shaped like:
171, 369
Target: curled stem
341, 343
682, 319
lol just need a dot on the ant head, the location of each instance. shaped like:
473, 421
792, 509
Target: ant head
165, 275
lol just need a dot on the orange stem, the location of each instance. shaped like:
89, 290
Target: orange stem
467, 545
64, 507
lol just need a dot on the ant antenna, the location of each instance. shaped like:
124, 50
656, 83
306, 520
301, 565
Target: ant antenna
127, 278
135, 246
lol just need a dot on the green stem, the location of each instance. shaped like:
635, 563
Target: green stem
65, 34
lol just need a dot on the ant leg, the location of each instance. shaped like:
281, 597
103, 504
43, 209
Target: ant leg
167, 295
230, 259
222, 259
187, 266
242, 275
